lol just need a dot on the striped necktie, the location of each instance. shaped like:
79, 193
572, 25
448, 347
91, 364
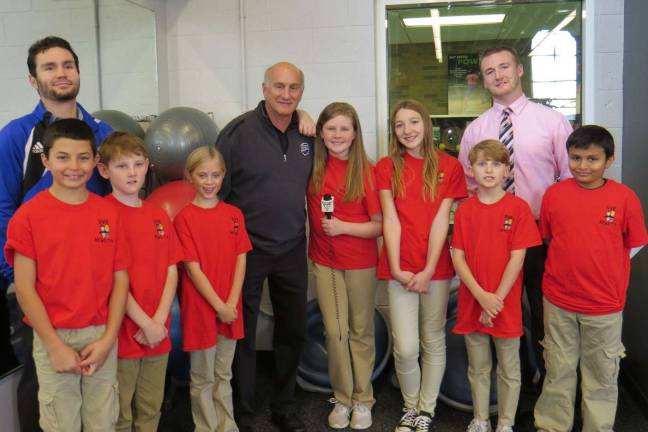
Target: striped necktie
506, 137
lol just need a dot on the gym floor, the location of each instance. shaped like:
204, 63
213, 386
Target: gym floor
314, 407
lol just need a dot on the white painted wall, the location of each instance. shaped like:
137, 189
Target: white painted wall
607, 87
331, 41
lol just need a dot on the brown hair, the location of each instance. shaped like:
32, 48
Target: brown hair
121, 143
428, 151
490, 149
359, 164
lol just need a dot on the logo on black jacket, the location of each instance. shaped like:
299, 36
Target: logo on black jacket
304, 148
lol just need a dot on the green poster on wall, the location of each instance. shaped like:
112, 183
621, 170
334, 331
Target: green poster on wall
466, 93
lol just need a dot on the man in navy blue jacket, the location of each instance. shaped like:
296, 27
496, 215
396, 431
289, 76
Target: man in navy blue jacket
54, 74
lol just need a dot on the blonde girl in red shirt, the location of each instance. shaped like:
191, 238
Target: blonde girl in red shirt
344, 252
417, 185
215, 243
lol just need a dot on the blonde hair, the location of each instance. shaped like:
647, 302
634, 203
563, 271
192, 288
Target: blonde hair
428, 151
203, 154
358, 165
490, 149
121, 143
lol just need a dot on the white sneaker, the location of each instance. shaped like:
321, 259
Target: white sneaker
361, 417
339, 417
407, 423
504, 428
477, 425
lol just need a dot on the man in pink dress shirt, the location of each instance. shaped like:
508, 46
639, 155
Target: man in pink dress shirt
540, 155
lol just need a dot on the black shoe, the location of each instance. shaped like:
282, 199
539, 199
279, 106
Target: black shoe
288, 422
423, 422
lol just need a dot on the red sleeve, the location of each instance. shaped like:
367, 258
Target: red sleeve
175, 248
186, 240
457, 236
526, 233
243, 244
545, 220
19, 237
371, 194
384, 174
634, 229
122, 250
456, 180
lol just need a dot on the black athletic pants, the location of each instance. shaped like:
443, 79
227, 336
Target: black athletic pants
8, 360
287, 276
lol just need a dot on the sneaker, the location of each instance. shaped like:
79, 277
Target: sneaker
361, 417
423, 422
477, 425
408, 421
339, 417
503, 428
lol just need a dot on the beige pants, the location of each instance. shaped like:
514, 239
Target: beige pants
508, 375
211, 391
141, 391
595, 341
348, 312
418, 324
69, 401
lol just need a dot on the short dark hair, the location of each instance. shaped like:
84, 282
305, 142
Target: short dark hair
43, 45
588, 135
71, 128
497, 49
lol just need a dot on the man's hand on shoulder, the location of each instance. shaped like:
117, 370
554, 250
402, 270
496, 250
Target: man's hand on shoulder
306, 123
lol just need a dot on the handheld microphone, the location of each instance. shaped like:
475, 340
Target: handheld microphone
328, 203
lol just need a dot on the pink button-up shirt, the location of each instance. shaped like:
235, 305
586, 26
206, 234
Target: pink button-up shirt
539, 137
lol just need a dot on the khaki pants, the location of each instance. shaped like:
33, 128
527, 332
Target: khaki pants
68, 400
211, 391
595, 341
141, 391
348, 314
508, 375
418, 324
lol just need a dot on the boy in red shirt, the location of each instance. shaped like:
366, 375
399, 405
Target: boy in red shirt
492, 231
70, 256
591, 224
144, 342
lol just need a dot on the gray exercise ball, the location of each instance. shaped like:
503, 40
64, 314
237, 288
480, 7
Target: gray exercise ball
173, 135
120, 121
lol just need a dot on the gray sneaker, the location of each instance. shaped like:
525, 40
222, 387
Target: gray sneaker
361, 417
339, 416
477, 425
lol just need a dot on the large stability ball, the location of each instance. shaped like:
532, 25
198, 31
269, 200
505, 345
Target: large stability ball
120, 121
173, 135
312, 373
172, 197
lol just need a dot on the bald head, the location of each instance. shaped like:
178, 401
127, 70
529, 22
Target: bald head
282, 67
